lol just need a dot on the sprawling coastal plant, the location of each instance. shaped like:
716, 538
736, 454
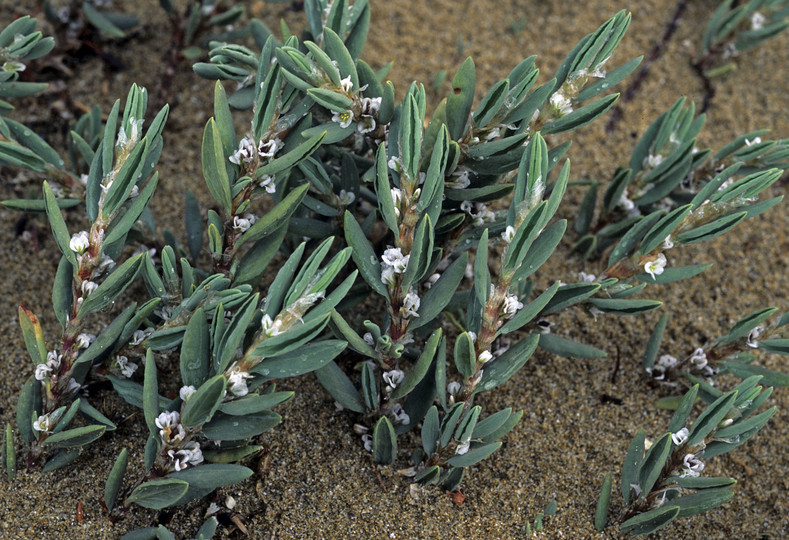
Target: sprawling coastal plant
447, 219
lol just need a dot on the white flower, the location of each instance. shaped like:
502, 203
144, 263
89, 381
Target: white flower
346, 197
343, 118
79, 242
367, 439
463, 448
190, 454
126, 368
167, 419
680, 436
504, 345
237, 381
544, 326
560, 104
42, 423
387, 276
667, 243
53, 360
625, 202
453, 388
655, 267
83, 341
13, 66
245, 152
241, 224
757, 21
397, 197
368, 338
267, 183
370, 105
410, 304
652, 161
165, 313
395, 164
753, 335
43, 372
511, 305
691, 466
479, 212
484, 356
586, 278
473, 336
494, 133
72, 386
346, 84
755, 140
186, 392
170, 429
394, 258
461, 180
88, 287
271, 327
508, 234
699, 358
664, 363
667, 361
212, 509
139, 336
268, 149
366, 124
432, 280
393, 378
400, 416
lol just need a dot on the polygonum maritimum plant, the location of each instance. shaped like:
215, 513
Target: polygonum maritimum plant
446, 217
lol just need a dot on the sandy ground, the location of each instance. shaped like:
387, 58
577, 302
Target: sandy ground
316, 481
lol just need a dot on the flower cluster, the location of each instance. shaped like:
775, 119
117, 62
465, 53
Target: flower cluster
189, 454
479, 213
237, 380
83, 340
699, 358
241, 224
664, 363
173, 434
511, 305
753, 337
399, 415
248, 152
45, 371
369, 109
393, 378
271, 327
691, 466
410, 305
394, 262
125, 367
171, 430
139, 336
